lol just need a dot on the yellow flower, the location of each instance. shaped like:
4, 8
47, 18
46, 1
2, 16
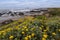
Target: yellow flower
8, 29
26, 38
18, 28
0, 33
32, 34
23, 32
40, 28
43, 38
32, 29
59, 30
53, 33
4, 33
29, 36
45, 30
22, 29
26, 29
11, 37
45, 35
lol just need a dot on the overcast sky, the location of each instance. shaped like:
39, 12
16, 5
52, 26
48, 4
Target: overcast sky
29, 3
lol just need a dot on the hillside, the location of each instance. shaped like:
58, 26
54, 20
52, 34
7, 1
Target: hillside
32, 28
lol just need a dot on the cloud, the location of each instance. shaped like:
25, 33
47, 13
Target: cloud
17, 3
9, 2
29, 3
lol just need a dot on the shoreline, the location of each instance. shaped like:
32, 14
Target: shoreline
2, 19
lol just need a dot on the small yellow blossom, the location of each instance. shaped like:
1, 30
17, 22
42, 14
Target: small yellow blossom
32, 34
40, 28
45, 35
18, 28
26, 38
11, 37
26, 29
53, 33
22, 29
45, 30
0, 33
23, 32
59, 30
4, 33
43, 38
32, 29
29, 36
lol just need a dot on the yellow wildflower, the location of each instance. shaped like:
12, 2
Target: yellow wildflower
40, 28
45, 35
32, 29
0, 33
26, 29
53, 33
9, 29
32, 34
22, 29
26, 38
29, 36
59, 30
11, 37
45, 30
23, 32
18, 28
43, 38
4, 33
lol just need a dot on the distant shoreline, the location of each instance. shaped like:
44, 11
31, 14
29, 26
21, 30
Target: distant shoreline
2, 19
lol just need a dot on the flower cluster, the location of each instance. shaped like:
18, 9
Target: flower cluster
32, 28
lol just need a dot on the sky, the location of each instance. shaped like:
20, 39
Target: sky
28, 3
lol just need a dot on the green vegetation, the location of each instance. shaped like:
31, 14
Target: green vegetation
32, 28
55, 11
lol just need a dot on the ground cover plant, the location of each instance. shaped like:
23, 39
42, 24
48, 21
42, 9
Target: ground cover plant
32, 28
